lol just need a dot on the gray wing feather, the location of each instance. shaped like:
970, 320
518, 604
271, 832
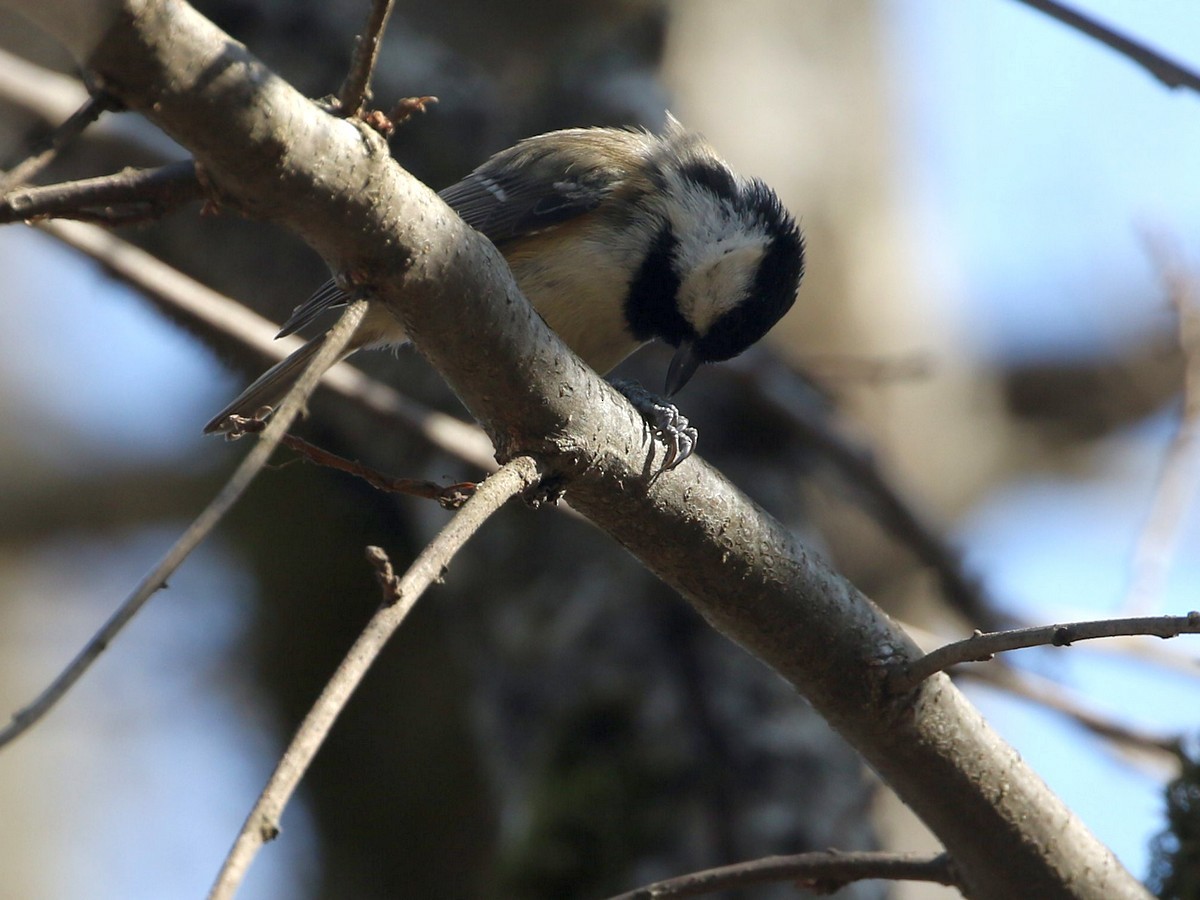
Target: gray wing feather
504, 206
269, 388
327, 296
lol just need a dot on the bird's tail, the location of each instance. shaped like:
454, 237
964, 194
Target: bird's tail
269, 389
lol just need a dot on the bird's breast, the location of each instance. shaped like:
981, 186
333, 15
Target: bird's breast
578, 284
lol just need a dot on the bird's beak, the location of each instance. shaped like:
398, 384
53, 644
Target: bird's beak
683, 367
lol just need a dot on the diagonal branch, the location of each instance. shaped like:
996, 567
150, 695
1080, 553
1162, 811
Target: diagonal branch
95, 106
821, 873
400, 595
1166, 70
200, 528
223, 320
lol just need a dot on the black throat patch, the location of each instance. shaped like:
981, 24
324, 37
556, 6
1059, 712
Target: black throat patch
650, 305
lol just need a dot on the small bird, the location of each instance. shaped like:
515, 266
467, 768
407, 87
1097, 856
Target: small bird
617, 237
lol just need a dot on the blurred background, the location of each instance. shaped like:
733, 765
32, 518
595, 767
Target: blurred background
1001, 217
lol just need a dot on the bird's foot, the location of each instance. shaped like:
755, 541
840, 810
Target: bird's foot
665, 420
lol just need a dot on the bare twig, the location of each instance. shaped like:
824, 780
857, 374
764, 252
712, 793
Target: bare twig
45, 93
982, 647
451, 496
200, 528
355, 88
820, 873
1054, 696
405, 109
400, 596
132, 195
1179, 481
95, 106
1168, 71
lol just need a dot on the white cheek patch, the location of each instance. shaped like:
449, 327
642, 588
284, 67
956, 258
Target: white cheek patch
717, 283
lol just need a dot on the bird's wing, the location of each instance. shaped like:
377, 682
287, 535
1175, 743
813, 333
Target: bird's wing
540, 182
544, 181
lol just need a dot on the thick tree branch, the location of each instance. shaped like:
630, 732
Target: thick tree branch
400, 595
274, 154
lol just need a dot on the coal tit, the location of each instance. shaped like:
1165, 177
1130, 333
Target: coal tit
617, 237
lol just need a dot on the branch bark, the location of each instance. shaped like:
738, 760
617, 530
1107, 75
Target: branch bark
273, 154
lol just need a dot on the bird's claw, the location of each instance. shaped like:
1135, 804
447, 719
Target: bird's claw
665, 420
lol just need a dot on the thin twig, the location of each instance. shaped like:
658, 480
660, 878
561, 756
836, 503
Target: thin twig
95, 106
353, 95
820, 873
400, 596
1179, 480
200, 528
451, 496
1052, 695
50, 96
982, 647
132, 195
1168, 71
